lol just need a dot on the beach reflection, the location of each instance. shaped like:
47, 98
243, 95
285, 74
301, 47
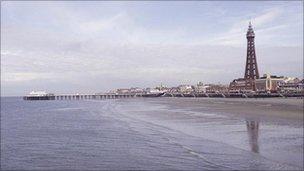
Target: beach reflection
253, 135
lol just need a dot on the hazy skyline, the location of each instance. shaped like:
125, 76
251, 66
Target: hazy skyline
88, 47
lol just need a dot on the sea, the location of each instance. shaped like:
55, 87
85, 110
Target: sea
143, 134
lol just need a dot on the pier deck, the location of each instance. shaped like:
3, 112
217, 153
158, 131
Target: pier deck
193, 95
80, 96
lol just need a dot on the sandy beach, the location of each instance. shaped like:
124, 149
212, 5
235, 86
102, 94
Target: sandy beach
275, 108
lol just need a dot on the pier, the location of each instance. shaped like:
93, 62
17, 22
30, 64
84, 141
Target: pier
173, 95
79, 96
94, 96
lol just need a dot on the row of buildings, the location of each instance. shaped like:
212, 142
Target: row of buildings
266, 83
270, 83
184, 89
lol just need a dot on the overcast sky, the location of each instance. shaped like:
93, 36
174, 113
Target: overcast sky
88, 47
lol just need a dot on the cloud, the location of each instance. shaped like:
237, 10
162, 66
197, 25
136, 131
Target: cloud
265, 26
267, 17
102, 24
60, 47
26, 76
259, 20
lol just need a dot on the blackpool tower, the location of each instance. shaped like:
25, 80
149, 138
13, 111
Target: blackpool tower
251, 70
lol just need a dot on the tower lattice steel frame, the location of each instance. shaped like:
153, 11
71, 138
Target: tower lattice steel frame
251, 69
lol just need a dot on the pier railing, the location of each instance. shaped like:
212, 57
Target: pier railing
80, 96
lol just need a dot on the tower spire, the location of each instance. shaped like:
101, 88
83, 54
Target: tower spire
251, 69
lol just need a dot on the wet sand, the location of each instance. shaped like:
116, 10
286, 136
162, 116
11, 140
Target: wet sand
276, 108
271, 128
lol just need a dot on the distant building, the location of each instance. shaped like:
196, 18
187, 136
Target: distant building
268, 83
136, 90
122, 91
38, 93
162, 88
186, 88
216, 88
201, 88
291, 85
154, 90
109, 92
173, 90
238, 84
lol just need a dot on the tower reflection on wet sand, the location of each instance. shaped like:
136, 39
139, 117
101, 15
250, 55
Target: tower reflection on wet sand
253, 135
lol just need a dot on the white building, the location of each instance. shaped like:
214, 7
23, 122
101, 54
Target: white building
268, 82
186, 88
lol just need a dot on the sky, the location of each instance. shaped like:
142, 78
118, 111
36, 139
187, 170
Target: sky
96, 46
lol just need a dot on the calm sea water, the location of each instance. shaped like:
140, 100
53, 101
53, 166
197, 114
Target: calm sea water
140, 134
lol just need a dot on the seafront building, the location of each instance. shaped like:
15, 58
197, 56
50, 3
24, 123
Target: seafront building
291, 85
216, 88
186, 88
268, 83
39, 95
201, 88
272, 83
122, 91
136, 90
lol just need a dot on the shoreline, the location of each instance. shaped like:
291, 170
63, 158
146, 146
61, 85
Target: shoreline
251, 108
274, 107
279, 122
